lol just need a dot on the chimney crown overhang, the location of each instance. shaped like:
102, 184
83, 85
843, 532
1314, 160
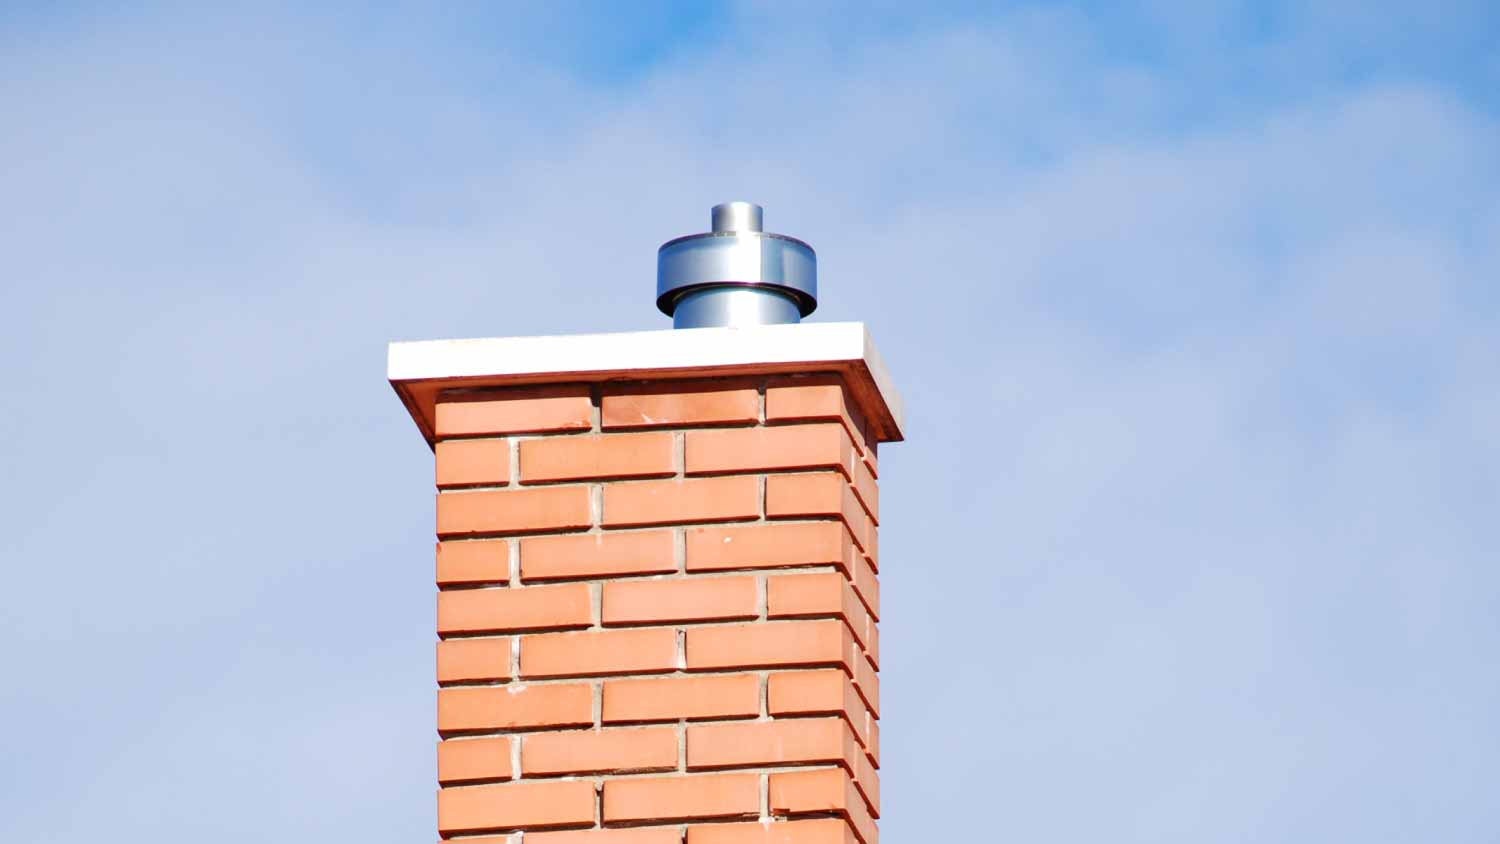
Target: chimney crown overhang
737, 274
419, 371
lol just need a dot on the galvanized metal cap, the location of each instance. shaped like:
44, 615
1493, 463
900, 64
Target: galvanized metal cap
737, 256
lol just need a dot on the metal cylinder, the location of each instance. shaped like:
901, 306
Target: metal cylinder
733, 307
736, 274
737, 217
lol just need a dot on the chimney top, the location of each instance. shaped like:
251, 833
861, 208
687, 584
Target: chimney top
737, 274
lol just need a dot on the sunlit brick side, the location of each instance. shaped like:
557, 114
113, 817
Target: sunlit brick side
562, 607
467, 760
830, 790
679, 404
759, 645
823, 692
638, 835
473, 562
599, 457
821, 595
771, 545
515, 805
742, 450
693, 797
657, 611
488, 708
813, 398
696, 599
599, 751
782, 743
813, 831
474, 660
597, 555
716, 697
472, 463
513, 511
522, 410
648, 650
728, 499
822, 494
797, 741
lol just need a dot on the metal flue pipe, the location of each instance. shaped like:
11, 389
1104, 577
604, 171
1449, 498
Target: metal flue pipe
737, 274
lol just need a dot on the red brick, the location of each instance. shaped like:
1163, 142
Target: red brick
599, 751
597, 653
678, 501
473, 660
473, 561
821, 490
820, 595
762, 645
674, 698
809, 399
637, 835
569, 605
821, 494
652, 455
821, 792
513, 510
811, 831
474, 760
765, 546
597, 555
819, 398
518, 411
823, 692
467, 709
811, 494
519, 805
793, 741
472, 463
665, 404
775, 545
664, 799
692, 599
768, 449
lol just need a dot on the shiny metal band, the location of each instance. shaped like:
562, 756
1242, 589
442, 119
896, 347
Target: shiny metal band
742, 264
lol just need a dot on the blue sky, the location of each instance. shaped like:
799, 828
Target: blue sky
1193, 306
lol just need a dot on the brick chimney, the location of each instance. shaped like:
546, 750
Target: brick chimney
657, 583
